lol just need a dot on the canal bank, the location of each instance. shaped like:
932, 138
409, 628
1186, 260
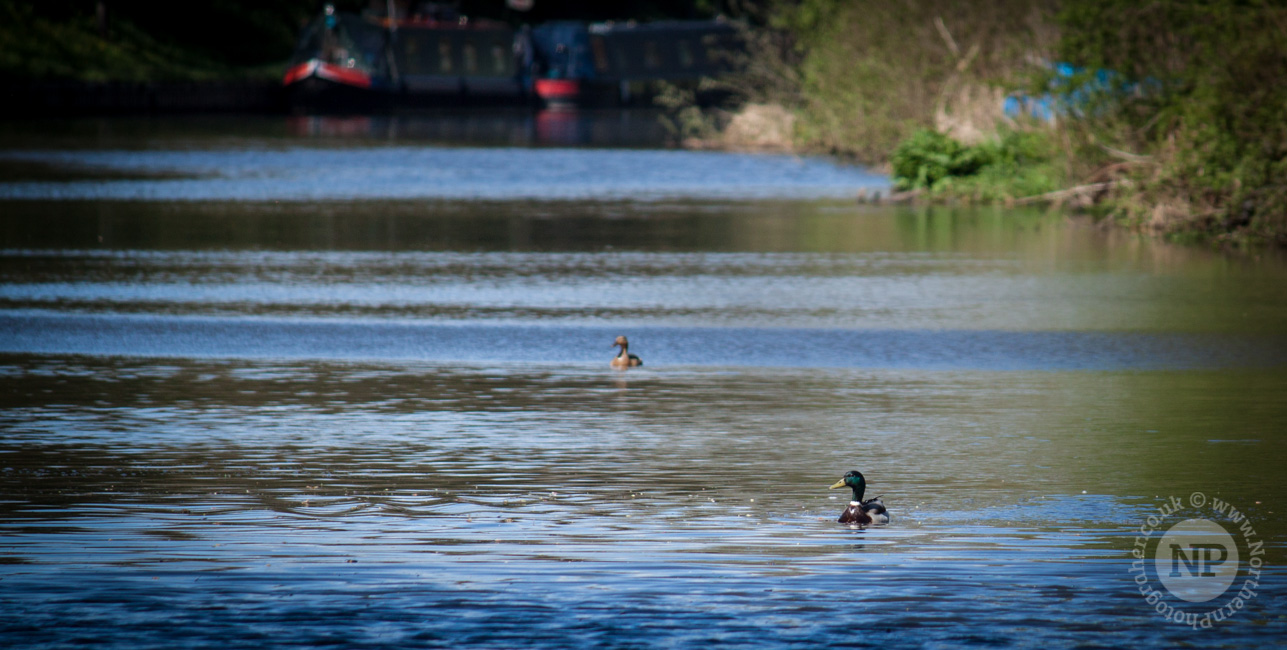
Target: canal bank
1159, 118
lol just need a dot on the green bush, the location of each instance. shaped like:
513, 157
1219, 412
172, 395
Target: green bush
1016, 164
927, 157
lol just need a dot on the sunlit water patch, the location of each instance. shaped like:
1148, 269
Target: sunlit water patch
332, 338
308, 174
732, 309
268, 504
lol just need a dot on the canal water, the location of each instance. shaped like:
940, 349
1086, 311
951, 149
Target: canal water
271, 382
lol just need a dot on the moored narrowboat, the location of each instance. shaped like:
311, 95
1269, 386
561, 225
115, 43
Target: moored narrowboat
340, 63
432, 56
428, 57
579, 64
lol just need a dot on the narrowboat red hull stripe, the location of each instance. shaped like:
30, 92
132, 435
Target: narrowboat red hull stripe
330, 72
558, 88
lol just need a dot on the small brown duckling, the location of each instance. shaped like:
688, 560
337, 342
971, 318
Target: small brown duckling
624, 359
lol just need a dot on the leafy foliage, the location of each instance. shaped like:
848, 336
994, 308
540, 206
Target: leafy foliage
1210, 114
42, 48
1016, 164
927, 157
1180, 107
872, 73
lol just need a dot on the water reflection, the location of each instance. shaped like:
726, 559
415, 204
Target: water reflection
491, 127
308, 174
825, 267
518, 127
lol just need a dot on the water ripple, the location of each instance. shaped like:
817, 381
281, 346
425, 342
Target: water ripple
305, 174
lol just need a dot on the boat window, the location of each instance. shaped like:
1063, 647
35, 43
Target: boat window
444, 56
621, 59
408, 63
600, 50
500, 57
685, 55
470, 56
652, 59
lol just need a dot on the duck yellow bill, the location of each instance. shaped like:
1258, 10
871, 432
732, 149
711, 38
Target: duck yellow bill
837, 484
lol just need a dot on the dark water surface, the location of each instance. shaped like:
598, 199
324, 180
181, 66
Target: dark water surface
235, 418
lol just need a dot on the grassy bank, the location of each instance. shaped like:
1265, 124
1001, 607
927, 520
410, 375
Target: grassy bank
1173, 121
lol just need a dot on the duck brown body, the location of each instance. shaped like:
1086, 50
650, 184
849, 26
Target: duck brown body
624, 359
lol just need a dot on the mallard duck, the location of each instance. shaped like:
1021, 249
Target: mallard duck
860, 512
624, 359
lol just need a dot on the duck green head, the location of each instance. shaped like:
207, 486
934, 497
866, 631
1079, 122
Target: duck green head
855, 480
